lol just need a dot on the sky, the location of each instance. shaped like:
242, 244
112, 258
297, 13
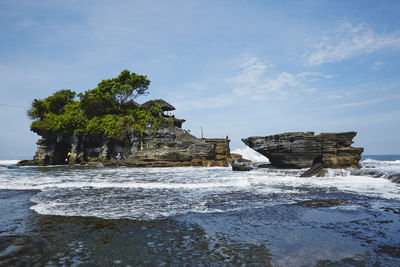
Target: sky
233, 68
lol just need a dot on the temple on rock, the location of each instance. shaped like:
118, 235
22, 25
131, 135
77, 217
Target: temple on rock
168, 145
166, 108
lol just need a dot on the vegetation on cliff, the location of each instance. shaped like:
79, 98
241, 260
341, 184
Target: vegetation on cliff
107, 109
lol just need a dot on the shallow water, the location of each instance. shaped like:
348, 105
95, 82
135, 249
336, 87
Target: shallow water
201, 216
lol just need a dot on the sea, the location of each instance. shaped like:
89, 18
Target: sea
198, 216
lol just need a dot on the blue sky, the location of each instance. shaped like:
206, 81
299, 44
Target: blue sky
236, 68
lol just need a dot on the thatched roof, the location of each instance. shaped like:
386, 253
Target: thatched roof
165, 106
132, 103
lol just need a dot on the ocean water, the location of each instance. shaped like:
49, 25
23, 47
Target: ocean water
102, 216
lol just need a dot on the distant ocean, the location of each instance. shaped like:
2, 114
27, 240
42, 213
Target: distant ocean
381, 157
110, 216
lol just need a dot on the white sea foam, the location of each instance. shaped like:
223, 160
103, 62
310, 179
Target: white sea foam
9, 162
363, 185
129, 185
381, 162
339, 179
148, 193
385, 167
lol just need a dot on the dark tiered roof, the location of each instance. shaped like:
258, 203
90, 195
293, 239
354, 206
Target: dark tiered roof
132, 103
165, 106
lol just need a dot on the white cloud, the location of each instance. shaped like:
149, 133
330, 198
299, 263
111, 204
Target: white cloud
377, 65
347, 42
254, 81
366, 102
251, 69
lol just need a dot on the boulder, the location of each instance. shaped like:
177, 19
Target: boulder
265, 166
316, 170
239, 158
26, 163
240, 167
303, 149
321, 203
395, 178
236, 156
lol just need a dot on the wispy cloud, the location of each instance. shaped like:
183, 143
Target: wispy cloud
199, 95
254, 81
377, 65
347, 42
212, 102
366, 102
251, 70
189, 103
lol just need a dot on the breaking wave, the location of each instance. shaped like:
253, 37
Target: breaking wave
149, 193
8, 162
385, 168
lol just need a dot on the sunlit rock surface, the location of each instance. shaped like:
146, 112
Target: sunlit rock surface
169, 146
303, 149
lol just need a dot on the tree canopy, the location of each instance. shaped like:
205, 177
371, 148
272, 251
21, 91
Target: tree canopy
107, 109
53, 104
111, 96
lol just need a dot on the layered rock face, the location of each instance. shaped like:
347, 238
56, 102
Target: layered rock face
303, 149
169, 146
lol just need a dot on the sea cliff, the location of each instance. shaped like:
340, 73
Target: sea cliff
304, 149
168, 146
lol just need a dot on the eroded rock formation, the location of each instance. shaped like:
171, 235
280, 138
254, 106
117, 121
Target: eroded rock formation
169, 146
236, 166
303, 149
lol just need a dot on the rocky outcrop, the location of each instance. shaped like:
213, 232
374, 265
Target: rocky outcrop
303, 149
169, 146
239, 158
321, 203
316, 170
395, 178
236, 166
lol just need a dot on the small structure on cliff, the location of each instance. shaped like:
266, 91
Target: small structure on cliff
107, 126
165, 106
304, 149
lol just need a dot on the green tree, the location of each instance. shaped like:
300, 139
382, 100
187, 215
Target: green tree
111, 96
53, 104
128, 86
59, 100
38, 109
107, 109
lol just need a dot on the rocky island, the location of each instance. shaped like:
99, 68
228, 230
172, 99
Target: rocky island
107, 126
304, 149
